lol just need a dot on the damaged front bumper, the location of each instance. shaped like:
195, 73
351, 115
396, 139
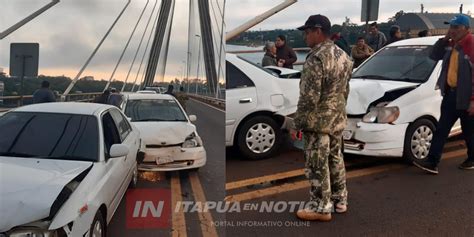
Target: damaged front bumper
370, 139
173, 158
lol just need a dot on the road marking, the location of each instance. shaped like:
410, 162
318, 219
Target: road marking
263, 179
305, 184
300, 172
223, 111
178, 220
207, 227
459, 143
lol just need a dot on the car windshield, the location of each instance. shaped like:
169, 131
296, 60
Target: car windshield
49, 136
154, 110
402, 63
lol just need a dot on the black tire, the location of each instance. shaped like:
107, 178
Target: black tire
100, 220
420, 126
259, 153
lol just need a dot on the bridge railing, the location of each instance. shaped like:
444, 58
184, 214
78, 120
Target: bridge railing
220, 103
7, 102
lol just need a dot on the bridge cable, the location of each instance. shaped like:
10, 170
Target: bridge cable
73, 82
139, 45
126, 46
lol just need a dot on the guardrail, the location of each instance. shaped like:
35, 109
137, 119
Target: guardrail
220, 103
15, 101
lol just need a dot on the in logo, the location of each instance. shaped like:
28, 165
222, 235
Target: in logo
148, 208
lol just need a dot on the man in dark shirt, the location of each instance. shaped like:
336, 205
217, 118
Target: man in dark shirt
285, 53
44, 94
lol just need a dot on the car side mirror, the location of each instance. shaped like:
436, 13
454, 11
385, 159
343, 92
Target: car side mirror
118, 150
192, 118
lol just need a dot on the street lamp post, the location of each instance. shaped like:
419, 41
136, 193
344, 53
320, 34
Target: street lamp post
199, 60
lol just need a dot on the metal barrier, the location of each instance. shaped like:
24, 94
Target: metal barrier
15, 101
209, 100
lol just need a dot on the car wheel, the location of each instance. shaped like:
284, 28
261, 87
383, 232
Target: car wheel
418, 140
134, 180
259, 137
98, 227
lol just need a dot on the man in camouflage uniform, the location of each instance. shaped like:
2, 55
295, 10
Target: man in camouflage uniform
322, 117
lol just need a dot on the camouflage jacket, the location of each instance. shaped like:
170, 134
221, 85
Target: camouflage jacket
324, 88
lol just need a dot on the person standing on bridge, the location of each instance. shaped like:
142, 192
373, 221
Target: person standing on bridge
456, 82
376, 39
115, 98
285, 54
321, 115
44, 94
269, 59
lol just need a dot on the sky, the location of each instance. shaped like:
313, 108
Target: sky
335, 10
69, 32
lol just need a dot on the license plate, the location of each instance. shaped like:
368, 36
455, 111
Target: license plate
347, 134
164, 160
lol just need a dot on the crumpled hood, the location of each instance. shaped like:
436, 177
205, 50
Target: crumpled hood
30, 186
164, 133
363, 92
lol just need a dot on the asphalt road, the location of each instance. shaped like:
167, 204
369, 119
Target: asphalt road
206, 184
387, 197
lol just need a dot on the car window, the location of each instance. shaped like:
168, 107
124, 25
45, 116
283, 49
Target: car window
122, 124
49, 136
111, 134
154, 110
402, 63
236, 78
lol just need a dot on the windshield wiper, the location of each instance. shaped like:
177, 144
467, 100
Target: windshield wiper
16, 154
374, 77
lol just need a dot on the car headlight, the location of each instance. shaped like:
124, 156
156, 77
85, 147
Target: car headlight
382, 115
191, 141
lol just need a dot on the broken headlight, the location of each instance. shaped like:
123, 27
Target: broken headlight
382, 115
191, 141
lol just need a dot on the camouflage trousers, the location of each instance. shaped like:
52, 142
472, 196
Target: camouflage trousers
324, 167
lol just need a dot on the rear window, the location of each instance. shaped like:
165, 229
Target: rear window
49, 136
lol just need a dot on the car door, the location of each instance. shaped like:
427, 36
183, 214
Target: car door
128, 137
115, 167
241, 98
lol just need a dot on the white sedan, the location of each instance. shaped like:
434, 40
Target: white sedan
172, 142
393, 107
64, 168
257, 101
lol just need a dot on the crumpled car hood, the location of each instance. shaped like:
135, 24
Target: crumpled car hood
363, 92
164, 133
29, 187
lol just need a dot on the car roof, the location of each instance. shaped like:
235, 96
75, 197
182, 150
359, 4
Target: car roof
146, 96
65, 108
431, 40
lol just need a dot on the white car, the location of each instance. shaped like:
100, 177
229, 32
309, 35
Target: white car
257, 101
172, 141
393, 106
64, 168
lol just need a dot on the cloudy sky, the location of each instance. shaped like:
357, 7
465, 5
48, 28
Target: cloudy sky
69, 32
335, 10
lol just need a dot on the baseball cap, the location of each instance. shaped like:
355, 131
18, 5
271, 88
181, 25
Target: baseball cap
459, 19
318, 21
